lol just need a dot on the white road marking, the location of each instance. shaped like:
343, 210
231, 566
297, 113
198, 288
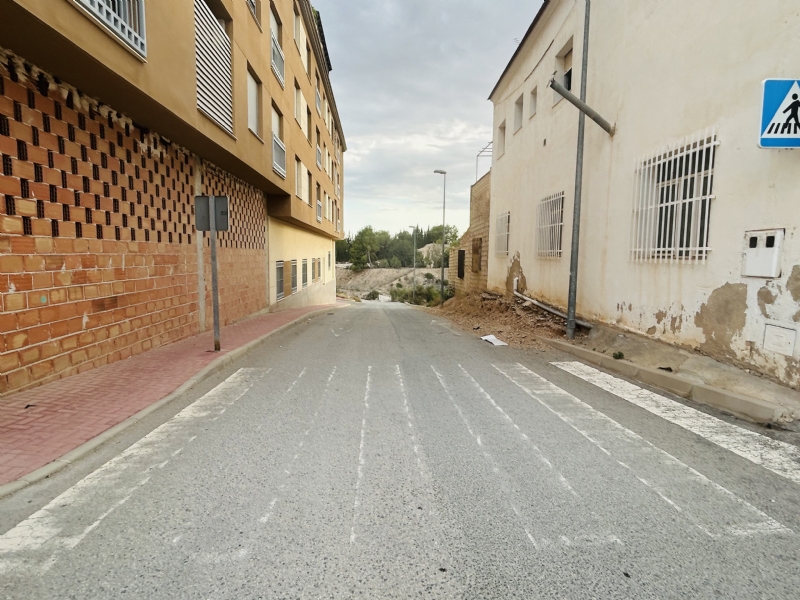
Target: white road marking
62, 523
502, 478
334, 333
286, 470
779, 457
640, 456
361, 458
536, 450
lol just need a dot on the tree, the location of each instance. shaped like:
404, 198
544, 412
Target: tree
364, 248
343, 249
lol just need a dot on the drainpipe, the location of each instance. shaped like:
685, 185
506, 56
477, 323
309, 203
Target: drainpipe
549, 309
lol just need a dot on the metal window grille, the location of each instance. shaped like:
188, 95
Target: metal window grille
305, 272
278, 60
503, 233
672, 201
550, 224
278, 156
214, 71
294, 276
124, 18
279, 279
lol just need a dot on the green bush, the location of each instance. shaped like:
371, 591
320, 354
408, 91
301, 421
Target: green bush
429, 276
399, 285
373, 295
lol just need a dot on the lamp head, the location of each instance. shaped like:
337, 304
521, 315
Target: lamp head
440, 172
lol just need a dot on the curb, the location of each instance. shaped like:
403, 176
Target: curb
744, 407
209, 370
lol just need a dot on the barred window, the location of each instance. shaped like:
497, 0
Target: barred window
305, 272
503, 233
279, 279
549, 225
294, 276
672, 201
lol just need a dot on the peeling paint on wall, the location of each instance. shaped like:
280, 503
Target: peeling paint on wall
514, 271
765, 296
723, 317
793, 283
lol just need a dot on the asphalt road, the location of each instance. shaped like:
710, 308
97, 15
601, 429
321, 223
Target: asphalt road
378, 453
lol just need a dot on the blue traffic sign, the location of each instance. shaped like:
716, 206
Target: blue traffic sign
780, 114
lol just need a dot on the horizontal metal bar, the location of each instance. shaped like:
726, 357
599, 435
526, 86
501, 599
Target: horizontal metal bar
583, 107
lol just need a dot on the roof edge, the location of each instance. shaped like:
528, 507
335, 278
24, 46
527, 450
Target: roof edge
528, 33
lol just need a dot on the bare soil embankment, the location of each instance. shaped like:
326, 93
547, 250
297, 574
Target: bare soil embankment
380, 280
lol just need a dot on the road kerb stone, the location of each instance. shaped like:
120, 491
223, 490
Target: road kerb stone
750, 409
213, 368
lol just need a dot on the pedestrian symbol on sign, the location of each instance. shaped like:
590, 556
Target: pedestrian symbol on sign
780, 120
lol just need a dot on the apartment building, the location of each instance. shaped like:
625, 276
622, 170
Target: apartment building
114, 115
689, 228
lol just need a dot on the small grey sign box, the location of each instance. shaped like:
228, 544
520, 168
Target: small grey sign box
202, 221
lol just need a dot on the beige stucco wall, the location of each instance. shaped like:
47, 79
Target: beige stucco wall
289, 243
474, 281
661, 72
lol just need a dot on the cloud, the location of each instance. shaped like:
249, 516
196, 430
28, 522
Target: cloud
411, 80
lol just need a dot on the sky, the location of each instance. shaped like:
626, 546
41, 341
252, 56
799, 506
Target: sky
411, 80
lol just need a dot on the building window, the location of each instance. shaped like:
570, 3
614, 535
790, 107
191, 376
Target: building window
125, 19
278, 60
318, 98
253, 103
278, 147
319, 204
673, 195
305, 273
308, 123
501, 139
294, 276
329, 260
549, 226
503, 233
533, 100
310, 187
300, 178
213, 63
255, 9
279, 290
568, 71
462, 257
298, 103
518, 114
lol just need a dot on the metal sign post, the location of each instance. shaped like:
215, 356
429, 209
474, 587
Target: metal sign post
211, 214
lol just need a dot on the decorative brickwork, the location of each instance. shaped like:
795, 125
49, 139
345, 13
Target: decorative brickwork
242, 256
98, 259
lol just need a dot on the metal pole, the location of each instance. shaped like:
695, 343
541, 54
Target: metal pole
444, 198
576, 218
212, 210
414, 289
583, 107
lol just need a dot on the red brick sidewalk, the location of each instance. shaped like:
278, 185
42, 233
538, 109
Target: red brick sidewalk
40, 425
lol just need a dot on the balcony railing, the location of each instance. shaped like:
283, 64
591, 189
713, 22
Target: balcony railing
125, 18
278, 156
278, 60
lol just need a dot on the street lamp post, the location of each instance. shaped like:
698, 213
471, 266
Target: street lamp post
444, 198
414, 245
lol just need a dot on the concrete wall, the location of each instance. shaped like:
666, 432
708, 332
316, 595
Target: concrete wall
661, 72
477, 235
290, 243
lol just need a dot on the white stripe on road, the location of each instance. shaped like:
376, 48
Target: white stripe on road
779, 457
420, 461
63, 523
271, 508
536, 450
361, 458
715, 510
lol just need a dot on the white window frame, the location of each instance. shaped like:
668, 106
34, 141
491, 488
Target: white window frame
278, 59
673, 201
279, 289
550, 226
502, 233
125, 20
253, 103
213, 57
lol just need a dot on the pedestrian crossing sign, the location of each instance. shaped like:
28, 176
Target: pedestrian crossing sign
780, 114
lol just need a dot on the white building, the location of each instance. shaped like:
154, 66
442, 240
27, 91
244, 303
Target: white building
673, 201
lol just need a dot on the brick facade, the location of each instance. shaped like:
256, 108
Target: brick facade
98, 257
474, 243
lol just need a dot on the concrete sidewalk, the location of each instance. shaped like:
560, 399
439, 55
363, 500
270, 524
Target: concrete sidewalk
42, 425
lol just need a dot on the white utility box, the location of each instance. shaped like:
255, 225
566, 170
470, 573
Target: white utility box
780, 339
763, 251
